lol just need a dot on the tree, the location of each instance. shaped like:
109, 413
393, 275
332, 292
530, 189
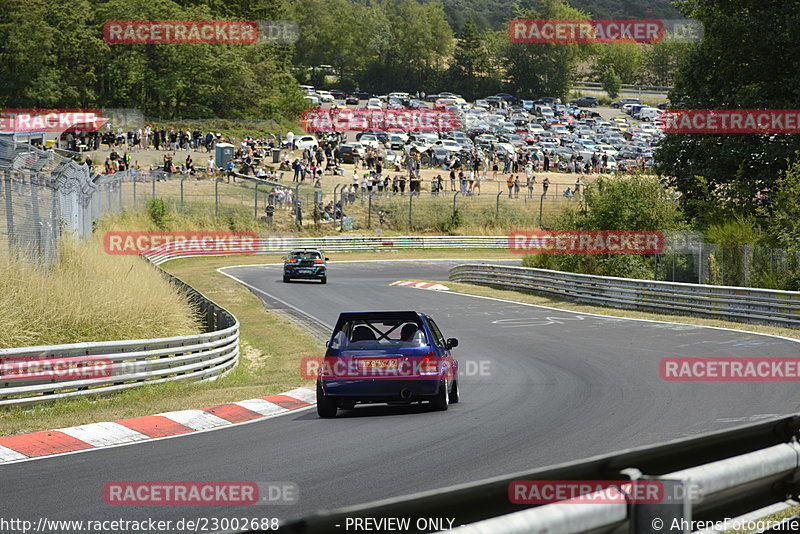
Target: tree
625, 58
544, 69
611, 82
783, 216
737, 65
662, 60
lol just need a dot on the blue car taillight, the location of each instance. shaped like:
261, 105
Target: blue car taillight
429, 364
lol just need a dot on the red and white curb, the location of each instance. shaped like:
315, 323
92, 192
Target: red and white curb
162, 425
420, 285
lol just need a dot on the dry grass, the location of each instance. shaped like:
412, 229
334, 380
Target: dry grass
88, 295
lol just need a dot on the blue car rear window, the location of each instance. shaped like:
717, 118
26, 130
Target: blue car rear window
379, 334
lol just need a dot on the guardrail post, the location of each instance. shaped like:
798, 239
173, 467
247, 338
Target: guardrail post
673, 509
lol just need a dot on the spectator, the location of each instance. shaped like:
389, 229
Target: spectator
510, 185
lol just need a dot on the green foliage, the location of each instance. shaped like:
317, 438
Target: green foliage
544, 69
634, 202
158, 212
734, 232
625, 59
737, 65
783, 215
611, 82
54, 56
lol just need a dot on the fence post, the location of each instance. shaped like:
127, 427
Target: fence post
153, 180
216, 197
541, 208
134, 191
255, 202
296, 203
369, 210
334, 203
454, 203
410, 199
182, 179
9, 210
497, 206
746, 266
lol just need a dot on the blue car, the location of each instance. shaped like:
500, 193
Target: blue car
396, 357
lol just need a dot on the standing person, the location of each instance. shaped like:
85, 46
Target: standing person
495, 166
452, 178
211, 166
476, 188
545, 185
546, 162
516, 187
510, 184
578, 184
355, 180
530, 183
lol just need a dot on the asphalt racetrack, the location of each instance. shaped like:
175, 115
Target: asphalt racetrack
540, 387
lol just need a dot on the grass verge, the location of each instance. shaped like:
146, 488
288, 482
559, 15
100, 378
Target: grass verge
88, 295
271, 350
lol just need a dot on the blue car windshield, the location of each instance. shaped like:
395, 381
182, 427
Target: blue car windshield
377, 334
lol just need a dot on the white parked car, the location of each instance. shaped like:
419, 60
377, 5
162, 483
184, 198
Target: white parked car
369, 140
448, 144
306, 141
324, 96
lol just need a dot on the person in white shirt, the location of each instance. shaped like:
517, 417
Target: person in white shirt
211, 166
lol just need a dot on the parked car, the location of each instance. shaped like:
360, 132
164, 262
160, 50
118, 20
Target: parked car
585, 102
397, 357
306, 141
623, 101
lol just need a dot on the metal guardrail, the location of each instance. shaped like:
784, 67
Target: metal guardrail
710, 477
743, 304
132, 363
272, 245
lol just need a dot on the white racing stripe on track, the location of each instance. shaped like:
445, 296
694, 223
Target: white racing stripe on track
103, 434
260, 406
196, 419
7, 455
304, 394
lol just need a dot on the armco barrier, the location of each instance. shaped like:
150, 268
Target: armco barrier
274, 245
133, 363
764, 306
752, 469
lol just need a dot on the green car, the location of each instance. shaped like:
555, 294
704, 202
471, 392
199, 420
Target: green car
305, 263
